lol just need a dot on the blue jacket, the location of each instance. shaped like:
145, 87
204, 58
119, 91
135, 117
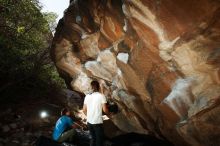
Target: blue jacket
61, 125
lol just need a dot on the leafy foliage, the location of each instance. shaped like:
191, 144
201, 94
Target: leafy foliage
51, 18
25, 35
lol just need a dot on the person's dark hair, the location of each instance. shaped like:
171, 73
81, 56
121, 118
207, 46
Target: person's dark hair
64, 111
95, 85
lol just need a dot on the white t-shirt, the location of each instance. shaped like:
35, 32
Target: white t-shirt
94, 103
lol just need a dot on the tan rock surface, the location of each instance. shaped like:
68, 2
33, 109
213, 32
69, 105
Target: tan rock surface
159, 60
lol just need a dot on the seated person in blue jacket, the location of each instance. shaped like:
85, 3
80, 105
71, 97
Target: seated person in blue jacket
65, 127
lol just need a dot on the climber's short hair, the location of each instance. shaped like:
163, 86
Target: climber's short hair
64, 111
95, 85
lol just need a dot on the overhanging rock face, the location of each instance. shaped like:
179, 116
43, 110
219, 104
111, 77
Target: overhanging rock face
159, 60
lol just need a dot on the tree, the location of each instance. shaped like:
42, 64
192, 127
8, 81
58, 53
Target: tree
25, 35
51, 18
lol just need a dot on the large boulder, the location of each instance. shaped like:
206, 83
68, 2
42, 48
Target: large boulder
157, 59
